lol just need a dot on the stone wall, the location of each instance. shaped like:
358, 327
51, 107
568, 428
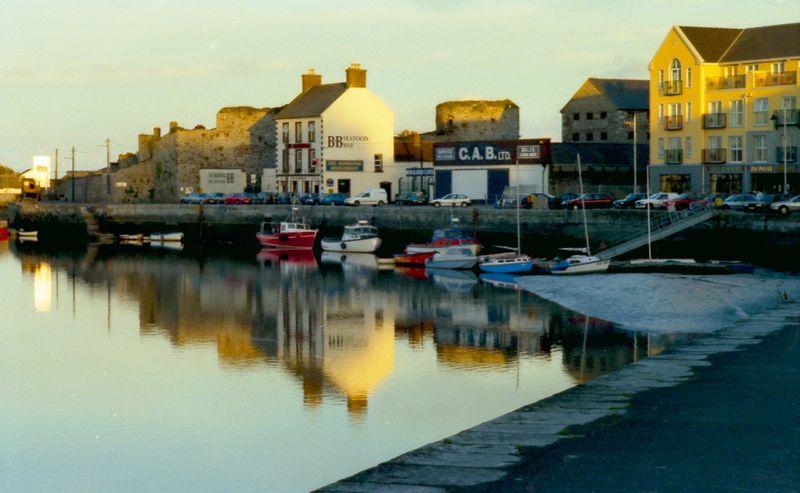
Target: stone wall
477, 120
598, 117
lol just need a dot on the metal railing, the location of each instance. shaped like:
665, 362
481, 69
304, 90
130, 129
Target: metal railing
791, 154
670, 88
673, 156
673, 122
714, 156
730, 82
776, 79
715, 120
792, 117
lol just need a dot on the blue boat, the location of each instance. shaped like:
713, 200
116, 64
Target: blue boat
505, 263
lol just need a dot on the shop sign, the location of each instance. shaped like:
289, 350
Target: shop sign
419, 171
528, 152
345, 141
472, 153
329, 182
762, 169
347, 166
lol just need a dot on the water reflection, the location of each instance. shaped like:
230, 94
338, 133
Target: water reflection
335, 326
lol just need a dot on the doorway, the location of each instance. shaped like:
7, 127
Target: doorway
343, 186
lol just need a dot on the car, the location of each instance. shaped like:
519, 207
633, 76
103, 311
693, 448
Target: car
264, 198
194, 198
214, 198
784, 207
763, 201
629, 201
284, 198
309, 199
564, 198
508, 202
685, 201
738, 202
412, 198
590, 201
333, 199
452, 200
373, 196
656, 200
241, 198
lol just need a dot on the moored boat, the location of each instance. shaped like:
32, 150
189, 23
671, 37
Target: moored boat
412, 259
580, 264
357, 238
446, 237
505, 263
291, 233
455, 257
166, 237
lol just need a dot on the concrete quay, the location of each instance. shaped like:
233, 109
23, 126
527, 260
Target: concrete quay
716, 414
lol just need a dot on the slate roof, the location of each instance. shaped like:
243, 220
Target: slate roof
626, 94
312, 102
726, 45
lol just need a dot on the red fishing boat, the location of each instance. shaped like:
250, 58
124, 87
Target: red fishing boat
451, 235
416, 259
288, 234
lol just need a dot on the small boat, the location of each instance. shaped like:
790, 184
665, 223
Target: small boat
505, 263
137, 237
28, 234
412, 259
580, 264
455, 257
445, 237
358, 238
291, 233
166, 237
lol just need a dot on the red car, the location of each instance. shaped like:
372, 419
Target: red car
237, 199
590, 201
686, 201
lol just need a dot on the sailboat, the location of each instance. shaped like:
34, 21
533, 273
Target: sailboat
581, 264
514, 262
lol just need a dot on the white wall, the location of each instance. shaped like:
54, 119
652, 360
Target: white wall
222, 180
471, 182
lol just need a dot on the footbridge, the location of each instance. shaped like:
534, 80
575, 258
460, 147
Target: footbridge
660, 228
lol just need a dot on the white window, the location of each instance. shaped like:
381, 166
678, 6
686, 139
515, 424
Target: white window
674, 109
660, 77
675, 70
312, 160
378, 163
688, 147
298, 131
761, 111
298, 160
660, 148
730, 71
735, 145
312, 134
688, 112
760, 146
660, 113
752, 67
688, 76
715, 107
735, 113
778, 67
789, 102
285, 132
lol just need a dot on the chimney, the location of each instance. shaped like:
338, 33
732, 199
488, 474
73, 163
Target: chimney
157, 132
356, 76
311, 79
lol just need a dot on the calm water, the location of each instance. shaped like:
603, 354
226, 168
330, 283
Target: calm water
139, 369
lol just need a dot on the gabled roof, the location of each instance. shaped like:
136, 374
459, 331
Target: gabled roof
724, 45
313, 102
626, 94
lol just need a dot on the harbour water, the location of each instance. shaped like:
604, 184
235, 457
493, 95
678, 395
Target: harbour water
147, 369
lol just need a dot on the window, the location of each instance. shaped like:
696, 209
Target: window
660, 77
590, 116
735, 146
298, 160
589, 136
688, 112
603, 136
285, 160
661, 113
660, 148
576, 137
379, 163
688, 76
760, 146
312, 134
576, 116
603, 115
688, 147
752, 68
778, 67
312, 160
761, 111
735, 118
285, 133
298, 131
675, 70
630, 135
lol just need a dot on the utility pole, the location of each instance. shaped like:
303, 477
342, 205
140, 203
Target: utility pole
108, 170
73, 174
635, 185
55, 173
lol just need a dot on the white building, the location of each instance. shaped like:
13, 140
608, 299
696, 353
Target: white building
336, 138
40, 172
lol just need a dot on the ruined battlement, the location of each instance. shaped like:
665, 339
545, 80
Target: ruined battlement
478, 120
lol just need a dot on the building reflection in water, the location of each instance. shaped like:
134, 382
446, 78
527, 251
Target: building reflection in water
334, 327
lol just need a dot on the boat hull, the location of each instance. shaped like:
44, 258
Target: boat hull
451, 263
433, 247
412, 259
507, 266
363, 245
166, 237
298, 240
582, 268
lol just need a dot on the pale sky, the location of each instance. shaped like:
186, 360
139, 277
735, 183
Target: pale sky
79, 72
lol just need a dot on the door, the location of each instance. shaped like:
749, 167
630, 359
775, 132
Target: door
343, 186
387, 185
444, 183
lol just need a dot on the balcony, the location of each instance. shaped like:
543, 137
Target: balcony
776, 79
792, 117
673, 156
714, 156
715, 120
791, 154
673, 122
732, 82
670, 88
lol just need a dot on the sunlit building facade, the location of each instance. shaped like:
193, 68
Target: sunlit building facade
723, 110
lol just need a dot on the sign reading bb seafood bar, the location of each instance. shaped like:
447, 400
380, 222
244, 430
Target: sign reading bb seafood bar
527, 151
345, 141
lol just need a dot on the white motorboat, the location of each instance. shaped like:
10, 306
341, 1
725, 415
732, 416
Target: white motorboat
580, 264
455, 257
166, 237
357, 238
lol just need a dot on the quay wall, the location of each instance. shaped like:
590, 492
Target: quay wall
730, 234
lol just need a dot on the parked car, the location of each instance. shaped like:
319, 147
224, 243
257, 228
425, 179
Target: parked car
686, 200
333, 199
453, 200
412, 198
629, 202
194, 198
564, 198
214, 198
656, 200
373, 196
264, 198
590, 201
784, 207
763, 201
241, 198
309, 199
738, 202
284, 198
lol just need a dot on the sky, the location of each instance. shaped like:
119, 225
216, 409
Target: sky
77, 73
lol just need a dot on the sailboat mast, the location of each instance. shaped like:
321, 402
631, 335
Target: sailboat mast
583, 207
516, 179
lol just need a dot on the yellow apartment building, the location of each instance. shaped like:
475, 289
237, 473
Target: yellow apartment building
723, 110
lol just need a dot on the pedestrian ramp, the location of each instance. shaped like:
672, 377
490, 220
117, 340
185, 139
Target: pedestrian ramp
661, 227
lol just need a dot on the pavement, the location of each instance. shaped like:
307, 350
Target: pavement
721, 413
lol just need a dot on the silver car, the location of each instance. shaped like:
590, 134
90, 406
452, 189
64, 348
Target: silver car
786, 206
453, 199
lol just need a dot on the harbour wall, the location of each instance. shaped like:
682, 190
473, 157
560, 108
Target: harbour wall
755, 237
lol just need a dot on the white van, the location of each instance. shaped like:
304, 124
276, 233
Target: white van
373, 196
